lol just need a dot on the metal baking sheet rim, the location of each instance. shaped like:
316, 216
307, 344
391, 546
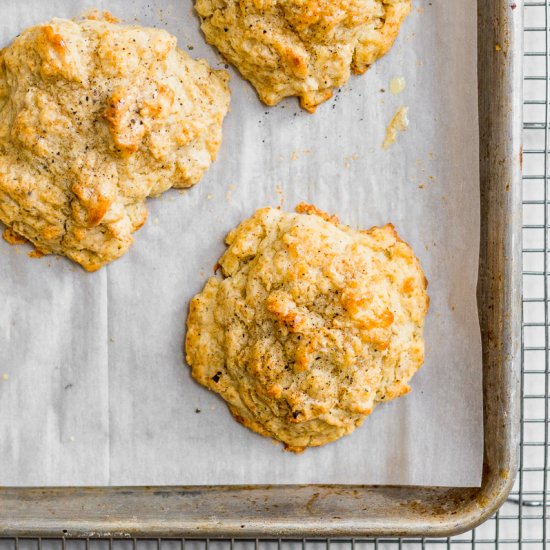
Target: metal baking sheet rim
362, 511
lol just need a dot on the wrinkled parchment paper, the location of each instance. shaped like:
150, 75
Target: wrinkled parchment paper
93, 387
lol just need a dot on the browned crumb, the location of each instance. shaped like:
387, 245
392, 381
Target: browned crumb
11, 237
304, 208
294, 449
97, 15
37, 254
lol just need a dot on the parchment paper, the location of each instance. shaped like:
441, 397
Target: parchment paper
93, 387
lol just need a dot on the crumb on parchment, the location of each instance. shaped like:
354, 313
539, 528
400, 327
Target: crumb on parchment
229, 195
37, 254
399, 123
280, 193
295, 155
397, 84
349, 158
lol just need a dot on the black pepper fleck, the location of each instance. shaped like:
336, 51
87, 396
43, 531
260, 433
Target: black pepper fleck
216, 377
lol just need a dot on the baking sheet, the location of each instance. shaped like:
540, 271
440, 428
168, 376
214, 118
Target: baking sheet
93, 388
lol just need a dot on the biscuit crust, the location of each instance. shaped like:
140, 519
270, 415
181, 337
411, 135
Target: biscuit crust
303, 48
95, 117
311, 325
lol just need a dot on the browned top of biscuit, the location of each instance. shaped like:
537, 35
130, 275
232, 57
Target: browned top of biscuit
96, 116
312, 325
303, 48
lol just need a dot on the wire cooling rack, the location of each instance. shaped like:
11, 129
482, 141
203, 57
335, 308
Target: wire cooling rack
523, 521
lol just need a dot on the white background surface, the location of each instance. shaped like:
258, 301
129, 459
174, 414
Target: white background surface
97, 390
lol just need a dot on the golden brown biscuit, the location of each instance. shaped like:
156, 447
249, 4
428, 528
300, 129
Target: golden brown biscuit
95, 117
301, 48
312, 325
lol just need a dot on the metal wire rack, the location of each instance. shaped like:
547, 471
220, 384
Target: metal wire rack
523, 521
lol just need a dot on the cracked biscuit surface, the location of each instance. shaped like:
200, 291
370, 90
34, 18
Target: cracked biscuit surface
303, 48
311, 325
95, 117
